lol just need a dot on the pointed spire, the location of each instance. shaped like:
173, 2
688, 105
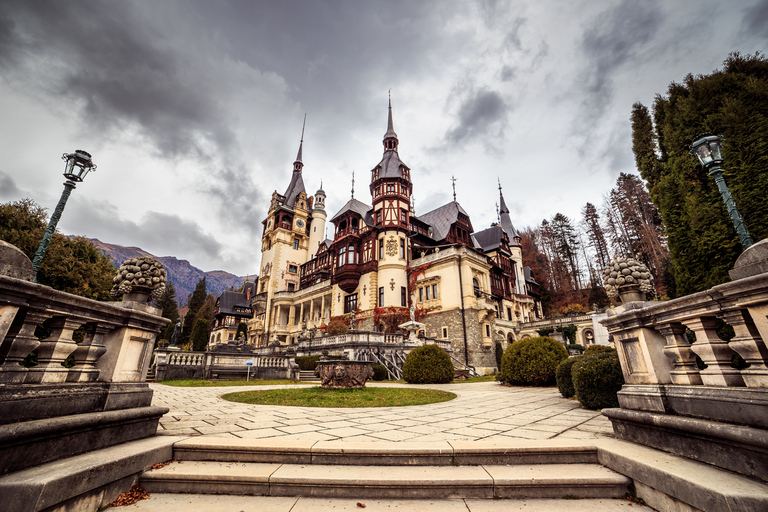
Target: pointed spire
301, 145
353, 184
454, 187
502, 205
390, 138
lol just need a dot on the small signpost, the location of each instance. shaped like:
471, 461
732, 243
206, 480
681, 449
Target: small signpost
248, 374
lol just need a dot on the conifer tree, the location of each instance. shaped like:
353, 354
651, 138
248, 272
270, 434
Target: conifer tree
196, 301
199, 337
595, 235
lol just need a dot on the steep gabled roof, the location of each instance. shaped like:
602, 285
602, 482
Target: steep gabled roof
294, 189
489, 239
442, 218
353, 205
228, 300
390, 166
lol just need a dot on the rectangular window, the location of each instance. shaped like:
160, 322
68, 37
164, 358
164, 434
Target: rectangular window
350, 303
509, 314
291, 287
445, 332
421, 294
295, 243
403, 296
487, 330
404, 215
427, 294
434, 291
381, 297
378, 217
390, 188
402, 248
293, 269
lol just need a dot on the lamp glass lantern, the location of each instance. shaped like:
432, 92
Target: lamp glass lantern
77, 165
707, 150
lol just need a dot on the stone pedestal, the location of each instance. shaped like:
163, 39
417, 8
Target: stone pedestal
342, 374
412, 328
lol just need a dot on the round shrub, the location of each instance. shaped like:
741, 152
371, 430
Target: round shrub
596, 379
428, 364
563, 376
596, 349
380, 372
336, 327
532, 362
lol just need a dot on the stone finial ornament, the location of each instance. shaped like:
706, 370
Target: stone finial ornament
627, 275
142, 275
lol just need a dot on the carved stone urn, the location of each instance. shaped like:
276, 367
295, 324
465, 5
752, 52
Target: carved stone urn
628, 279
139, 279
343, 374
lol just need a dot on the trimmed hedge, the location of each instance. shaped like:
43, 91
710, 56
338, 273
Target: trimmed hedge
596, 379
428, 364
596, 349
380, 372
307, 363
575, 346
532, 362
563, 376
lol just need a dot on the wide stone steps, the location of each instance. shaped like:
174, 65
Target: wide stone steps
440, 470
308, 376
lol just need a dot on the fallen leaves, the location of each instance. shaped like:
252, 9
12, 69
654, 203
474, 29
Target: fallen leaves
136, 493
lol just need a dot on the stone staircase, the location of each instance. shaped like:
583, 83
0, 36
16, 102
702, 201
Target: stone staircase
439, 470
308, 376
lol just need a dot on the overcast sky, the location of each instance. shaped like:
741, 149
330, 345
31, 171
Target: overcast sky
193, 110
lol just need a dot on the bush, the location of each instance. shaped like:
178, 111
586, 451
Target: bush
428, 364
596, 349
380, 372
532, 362
563, 376
336, 327
596, 380
307, 363
575, 346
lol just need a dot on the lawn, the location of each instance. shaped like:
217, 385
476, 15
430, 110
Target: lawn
200, 383
319, 397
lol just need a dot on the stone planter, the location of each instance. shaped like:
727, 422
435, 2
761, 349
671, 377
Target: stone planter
343, 374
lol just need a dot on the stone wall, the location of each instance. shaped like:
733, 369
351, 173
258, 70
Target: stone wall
479, 356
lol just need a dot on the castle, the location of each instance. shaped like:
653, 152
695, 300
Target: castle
467, 287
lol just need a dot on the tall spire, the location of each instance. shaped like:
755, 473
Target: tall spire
353, 184
390, 138
502, 205
505, 221
298, 164
454, 187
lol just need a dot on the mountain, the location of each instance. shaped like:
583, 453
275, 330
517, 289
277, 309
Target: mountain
181, 273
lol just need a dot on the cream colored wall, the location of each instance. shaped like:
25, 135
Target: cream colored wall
316, 232
392, 268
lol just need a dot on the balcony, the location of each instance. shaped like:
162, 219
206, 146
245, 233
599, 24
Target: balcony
347, 277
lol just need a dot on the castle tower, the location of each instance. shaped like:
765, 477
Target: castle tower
317, 226
514, 244
391, 189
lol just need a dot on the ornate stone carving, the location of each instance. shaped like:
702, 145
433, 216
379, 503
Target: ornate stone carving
143, 275
627, 275
343, 374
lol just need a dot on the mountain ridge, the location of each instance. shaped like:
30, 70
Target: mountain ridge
181, 272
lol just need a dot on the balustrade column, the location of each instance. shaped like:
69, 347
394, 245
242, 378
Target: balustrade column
678, 351
748, 344
53, 351
19, 345
715, 353
88, 353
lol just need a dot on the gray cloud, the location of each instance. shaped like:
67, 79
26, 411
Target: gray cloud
8, 189
755, 19
482, 113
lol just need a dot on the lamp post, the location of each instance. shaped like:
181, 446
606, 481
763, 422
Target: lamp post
312, 332
707, 149
78, 164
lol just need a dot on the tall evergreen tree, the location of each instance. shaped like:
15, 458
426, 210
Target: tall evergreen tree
732, 102
196, 301
199, 336
167, 302
596, 235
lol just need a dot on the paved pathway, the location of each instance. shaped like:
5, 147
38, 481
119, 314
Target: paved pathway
483, 410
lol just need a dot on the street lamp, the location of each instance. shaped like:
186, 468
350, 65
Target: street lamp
78, 164
707, 149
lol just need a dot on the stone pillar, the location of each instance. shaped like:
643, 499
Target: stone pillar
678, 350
291, 315
322, 309
715, 353
88, 353
311, 312
52, 351
301, 315
19, 346
747, 344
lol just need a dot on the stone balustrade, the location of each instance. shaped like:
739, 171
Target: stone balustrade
116, 346
684, 390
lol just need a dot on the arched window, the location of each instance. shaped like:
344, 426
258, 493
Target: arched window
476, 286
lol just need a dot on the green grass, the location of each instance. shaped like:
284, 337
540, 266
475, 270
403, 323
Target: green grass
319, 397
200, 383
479, 378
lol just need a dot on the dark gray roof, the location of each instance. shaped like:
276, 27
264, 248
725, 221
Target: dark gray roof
356, 206
228, 300
506, 222
529, 275
390, 125
294, 189
390, 166
441, 219
489, 239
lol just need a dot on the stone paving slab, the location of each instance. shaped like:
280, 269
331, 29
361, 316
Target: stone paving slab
482, 410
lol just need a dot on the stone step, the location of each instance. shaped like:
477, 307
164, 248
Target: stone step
387, 482
443, 453
161, 502
308, 376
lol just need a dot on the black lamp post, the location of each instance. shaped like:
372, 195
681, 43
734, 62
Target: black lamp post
707, 149
78, 164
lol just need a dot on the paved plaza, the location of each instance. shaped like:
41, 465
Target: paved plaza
483, 410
